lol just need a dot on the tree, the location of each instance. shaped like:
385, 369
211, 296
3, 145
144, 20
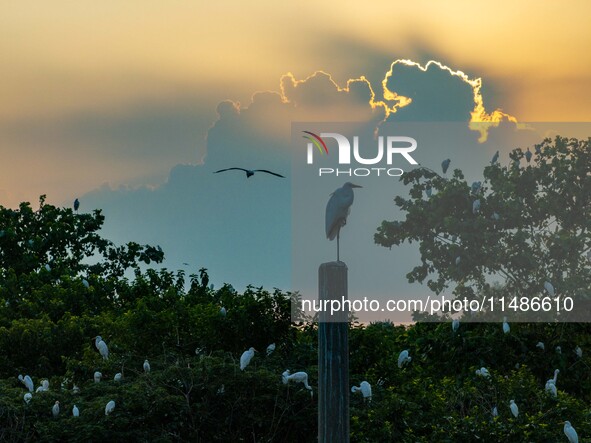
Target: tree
526, 224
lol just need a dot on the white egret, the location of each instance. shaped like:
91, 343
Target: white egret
458, 260
43, 387
570, 433
118, 376
551, 384
246, 357
97, 376
250, 172
102, 347
27, 397
85, 283
75, 390
146, 366
455, 325
223, 311
528, 155
403, 358
55, 410
483, 372
270, 348
298, 377
495, 412
558, 350
549, 288
75, 411
337, 210
76, 205
514, 408
541, 345
495, 158
47, 267
365, 389
110, 407
27, 381
445, 165
476, 207
475, 187
221, 390
579, 352
506, 327
429, 191
495, 216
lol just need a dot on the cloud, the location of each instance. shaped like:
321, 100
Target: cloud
439, 93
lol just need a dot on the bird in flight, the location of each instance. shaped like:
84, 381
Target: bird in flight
250, 172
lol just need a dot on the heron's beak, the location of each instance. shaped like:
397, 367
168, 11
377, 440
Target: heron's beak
356, 186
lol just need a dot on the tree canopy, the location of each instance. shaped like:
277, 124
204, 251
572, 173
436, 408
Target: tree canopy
62, 285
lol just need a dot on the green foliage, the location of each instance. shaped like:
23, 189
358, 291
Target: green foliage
195, 391
533, 224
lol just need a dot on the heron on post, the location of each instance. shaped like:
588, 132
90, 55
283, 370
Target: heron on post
337, 210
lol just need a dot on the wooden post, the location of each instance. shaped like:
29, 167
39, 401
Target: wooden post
333, 357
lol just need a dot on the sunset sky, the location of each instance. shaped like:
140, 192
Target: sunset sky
115, 100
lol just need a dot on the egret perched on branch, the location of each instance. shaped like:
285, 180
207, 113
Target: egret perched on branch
551, 383
483, 372
44, 386
75, 411
102, 347
246, 357
549, 288
558, 350
541, 345
570, 433
27, 381
445, 164
250, 172
97, 377
514, 408
528, 155
223, 311
365, 389
579, 352
337, 210
455, 325
270, 348
55, 410
550, 388
495, 412
298, 377
495, 158
146, 366
403, 358
110, 407
27, 397
476, 207
506, 327
118, 376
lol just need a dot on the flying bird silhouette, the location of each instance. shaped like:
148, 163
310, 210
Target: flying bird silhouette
250, 172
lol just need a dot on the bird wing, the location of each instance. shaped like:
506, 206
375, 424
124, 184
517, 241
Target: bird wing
231, 169
269, 172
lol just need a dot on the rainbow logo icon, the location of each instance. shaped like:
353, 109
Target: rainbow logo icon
318, 142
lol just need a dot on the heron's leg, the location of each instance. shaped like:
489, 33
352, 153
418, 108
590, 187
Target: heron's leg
338, 235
